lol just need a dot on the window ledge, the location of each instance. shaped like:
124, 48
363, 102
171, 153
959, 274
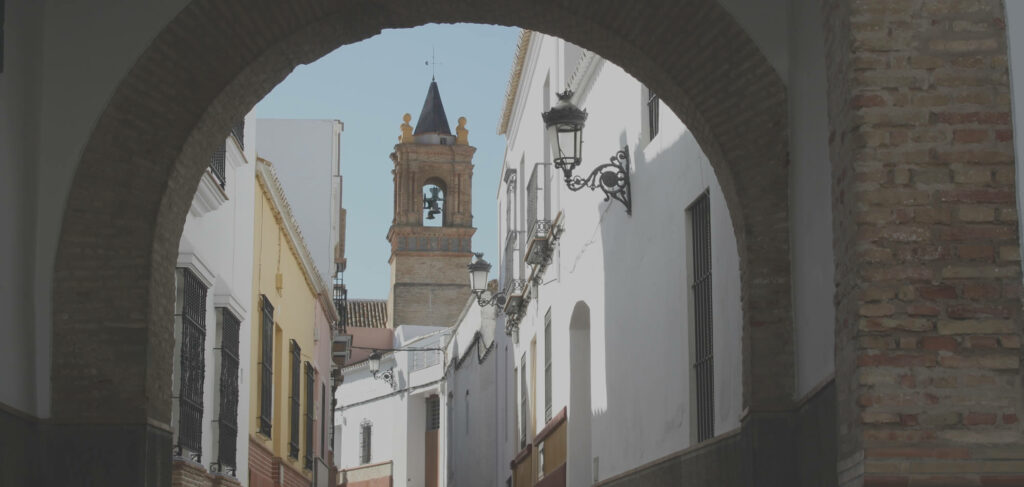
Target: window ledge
209, 196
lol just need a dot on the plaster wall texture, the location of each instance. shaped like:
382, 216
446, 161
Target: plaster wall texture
295, 309
639, 335
813, 270
306, 154
400, 410
95, 44
19, 151
322, 363
477, 456
1015, 38
218, 245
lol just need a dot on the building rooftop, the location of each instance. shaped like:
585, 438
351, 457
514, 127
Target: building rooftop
367, 313
432, 118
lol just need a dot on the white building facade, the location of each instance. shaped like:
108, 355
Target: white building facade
212, 322
307, 156
626, 326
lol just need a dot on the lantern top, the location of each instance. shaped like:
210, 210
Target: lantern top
565, 112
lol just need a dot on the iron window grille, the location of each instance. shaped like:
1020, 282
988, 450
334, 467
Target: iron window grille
547, 366
308, 456
266, 366
218, 166
703, 366
227, 419
366, 429
238, 131
293, 439
524, 405
193, 369
433, 413
653, 102
323, 420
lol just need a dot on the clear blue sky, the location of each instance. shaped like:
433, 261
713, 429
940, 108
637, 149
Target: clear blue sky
369, 86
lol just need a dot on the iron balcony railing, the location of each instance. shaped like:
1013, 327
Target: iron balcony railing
538, 248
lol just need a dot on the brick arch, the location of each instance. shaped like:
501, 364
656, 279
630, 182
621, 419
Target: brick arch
112, 335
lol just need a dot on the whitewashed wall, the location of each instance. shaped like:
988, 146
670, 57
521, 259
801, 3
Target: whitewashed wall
398, 412
630, 270
219, 245
306, 155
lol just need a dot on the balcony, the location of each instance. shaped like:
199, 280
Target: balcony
539, 245
341, 348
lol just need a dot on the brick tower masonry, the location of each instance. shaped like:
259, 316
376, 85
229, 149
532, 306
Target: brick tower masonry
433, 171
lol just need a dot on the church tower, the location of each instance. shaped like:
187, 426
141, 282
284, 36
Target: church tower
433, 222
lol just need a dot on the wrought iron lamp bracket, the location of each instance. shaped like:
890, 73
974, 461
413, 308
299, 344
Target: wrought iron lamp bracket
496, 299
612, 178
387, 376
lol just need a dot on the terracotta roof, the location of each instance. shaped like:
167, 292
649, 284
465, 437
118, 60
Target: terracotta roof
432, 117
367, 313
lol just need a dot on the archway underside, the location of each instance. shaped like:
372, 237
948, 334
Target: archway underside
113, 298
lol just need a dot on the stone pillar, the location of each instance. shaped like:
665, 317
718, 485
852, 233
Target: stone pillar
927, 259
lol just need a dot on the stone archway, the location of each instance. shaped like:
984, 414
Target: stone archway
112, 335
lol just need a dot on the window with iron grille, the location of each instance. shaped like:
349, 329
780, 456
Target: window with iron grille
218, 166
524, 405
653, 102
703, 365
193, 367
308, 456
365, 431
238, 132
266, 365
547, 366
433, 413
323, 420
293, 438
227, 418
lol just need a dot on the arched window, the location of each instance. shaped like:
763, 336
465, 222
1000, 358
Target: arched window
434, 203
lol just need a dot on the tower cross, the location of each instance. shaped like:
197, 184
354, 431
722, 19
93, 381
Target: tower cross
433, 64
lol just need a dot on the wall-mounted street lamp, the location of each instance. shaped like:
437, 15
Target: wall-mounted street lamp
478, 282
565, 123
388, 375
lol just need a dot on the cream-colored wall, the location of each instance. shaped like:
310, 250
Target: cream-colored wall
294, 317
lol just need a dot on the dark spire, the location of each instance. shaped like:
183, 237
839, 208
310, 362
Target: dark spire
432, 117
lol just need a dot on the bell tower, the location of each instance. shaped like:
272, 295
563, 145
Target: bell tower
432, 228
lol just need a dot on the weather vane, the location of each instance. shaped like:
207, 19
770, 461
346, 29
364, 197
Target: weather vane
433, 64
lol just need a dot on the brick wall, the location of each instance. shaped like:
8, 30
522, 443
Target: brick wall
927, 258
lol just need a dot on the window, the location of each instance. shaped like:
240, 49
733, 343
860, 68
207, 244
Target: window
293, 440
524, 405
238, 131
308, 456
365, 431
547, 366
434, 204
266, 365
703, 365
323, 420
538, 198
467, 411
192, 366
433, 413
227, 416
218, 166
653, 102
